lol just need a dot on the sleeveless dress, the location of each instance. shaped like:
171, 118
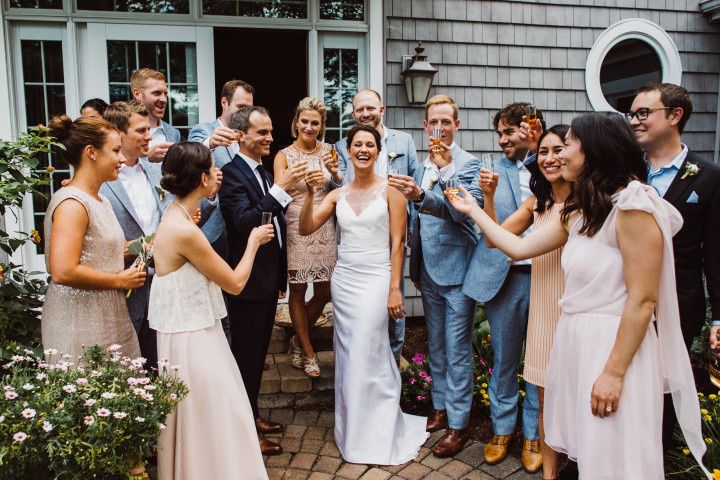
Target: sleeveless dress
311, 258
546, 288
628, 444
370, 428
211, 434
74, 318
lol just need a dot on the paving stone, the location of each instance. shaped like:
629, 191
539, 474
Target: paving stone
473, 454
330, 449
293, 380
290, 444
424, 452
280, 358
313, 397
278, 333
376, 474
296, 474
394, 468
270, 382
523, 475
415, 471
455, 469
276, 400
320, 476
435, 462
295, 431
308, 418
351, 471
315, 433
264, 413
477, 475
327, 419
282, 460
395, 477
303, 461
275, 473
330, 435
437, 476
277, 346
282, 415
433, 438
311, 446
327, 465
503, 469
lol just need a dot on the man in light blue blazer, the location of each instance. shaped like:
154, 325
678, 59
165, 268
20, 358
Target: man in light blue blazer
504, 287
442, 242
217, 136
149, 88
138, 203
397, 153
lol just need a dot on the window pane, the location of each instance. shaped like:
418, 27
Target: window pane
257, 8
349, 69
120, 93
55, 100
54, 4
628, 66
31, 60
184, 106
342, 9
340, 72
35, 105
53, 62
153, 55
121, 61
182, 63
149, 6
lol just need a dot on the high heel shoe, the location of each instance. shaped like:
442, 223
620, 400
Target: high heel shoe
295, 353
311, 367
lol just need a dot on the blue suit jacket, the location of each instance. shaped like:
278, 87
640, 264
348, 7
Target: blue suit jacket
172, 134
211, 223
443, 239
398, 142
128, 218
489, 266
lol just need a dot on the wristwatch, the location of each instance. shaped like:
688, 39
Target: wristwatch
420, 197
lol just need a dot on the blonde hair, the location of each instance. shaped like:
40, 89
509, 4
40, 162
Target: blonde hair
120, 113
440, 100
138, 79
310, 103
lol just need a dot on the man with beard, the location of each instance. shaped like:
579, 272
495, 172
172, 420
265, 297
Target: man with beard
692, 185
149, 88
397, 153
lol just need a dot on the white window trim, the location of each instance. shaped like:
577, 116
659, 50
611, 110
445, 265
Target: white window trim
629, 29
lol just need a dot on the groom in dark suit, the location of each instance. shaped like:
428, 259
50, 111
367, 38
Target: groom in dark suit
247, 191
692, 185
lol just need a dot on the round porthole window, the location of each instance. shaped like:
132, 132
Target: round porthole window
626, 56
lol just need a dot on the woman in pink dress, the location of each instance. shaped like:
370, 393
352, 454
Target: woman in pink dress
609, 365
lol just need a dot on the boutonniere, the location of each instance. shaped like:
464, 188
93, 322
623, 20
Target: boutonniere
434, 175
690, 170
161, 192
393, 155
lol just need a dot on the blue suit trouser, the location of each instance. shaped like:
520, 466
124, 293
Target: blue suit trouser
507, 313
449, 315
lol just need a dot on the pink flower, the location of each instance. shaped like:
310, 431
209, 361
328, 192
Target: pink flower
418, 358
19, 437
482, 362
28, 413
490, 371
103, 412
81, 381
420, 397
10, 395
412, 380
90, 402
428, 379
422, 374
69, 388
89, 420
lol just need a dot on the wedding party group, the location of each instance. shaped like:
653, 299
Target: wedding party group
590, 246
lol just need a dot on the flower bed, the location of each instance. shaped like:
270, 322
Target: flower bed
681, 462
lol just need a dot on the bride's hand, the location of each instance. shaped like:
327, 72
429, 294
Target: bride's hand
464, 204
395, 307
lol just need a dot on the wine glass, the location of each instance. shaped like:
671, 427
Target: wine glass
266, 218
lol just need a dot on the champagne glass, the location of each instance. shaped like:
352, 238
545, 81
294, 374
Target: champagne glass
333, 153
486, 161
266, 218
436, 134
452, 186
531, 115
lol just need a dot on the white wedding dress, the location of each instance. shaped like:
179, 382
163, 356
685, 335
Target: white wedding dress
370, 428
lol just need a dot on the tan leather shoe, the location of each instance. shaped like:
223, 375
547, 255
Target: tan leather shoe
268, 447
451, 443
436, 421
497, 449
266, 426
531, 457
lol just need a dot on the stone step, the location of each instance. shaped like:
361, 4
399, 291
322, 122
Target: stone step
321, 336
281, 377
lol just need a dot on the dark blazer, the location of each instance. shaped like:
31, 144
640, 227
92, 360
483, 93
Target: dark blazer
697, 244
242, 203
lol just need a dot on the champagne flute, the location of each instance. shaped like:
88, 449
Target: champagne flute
392, 170
436, 134
531, 115
266, 218
452, 186
486, 161
333, 153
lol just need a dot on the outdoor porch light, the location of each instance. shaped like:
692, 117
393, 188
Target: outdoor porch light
418, 77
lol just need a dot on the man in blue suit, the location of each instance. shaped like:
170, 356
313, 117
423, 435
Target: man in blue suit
397, 152
442, 242
149, 88
504, 287
138, 203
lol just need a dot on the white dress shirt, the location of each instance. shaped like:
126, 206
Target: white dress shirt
278, 193
138, 187
432, 173
381, 162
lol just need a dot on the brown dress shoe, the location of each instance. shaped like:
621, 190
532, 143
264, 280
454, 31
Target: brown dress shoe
497, 449
266, 426
436, 421
451, 443
531, 457
268, 447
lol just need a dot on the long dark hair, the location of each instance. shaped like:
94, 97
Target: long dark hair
613, 158
539, 185
183, 167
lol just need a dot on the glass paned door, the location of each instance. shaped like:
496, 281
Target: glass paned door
342, 75
257, 8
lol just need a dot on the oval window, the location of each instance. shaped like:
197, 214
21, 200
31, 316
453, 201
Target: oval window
628, 65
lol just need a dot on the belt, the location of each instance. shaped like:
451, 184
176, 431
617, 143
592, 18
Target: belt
522, 268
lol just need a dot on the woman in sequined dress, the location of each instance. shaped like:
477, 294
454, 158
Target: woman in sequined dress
84, 245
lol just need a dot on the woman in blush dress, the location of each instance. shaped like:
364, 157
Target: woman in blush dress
609, 364
370, 428
84, 244
550, 190
311, 258
212, 432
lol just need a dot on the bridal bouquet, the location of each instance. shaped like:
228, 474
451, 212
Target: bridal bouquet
99, 419
142, 248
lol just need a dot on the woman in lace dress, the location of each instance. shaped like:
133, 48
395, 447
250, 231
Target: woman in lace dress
84, 244
212, 432
609, 363
311, 258
369, 425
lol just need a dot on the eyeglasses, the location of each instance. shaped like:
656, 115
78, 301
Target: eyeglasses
643, 113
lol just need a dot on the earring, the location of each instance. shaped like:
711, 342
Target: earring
92, 157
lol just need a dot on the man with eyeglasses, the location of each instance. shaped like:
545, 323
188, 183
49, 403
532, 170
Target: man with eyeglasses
692, 185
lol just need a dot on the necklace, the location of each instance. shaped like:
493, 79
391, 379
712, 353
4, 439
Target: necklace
308, 152
184, 209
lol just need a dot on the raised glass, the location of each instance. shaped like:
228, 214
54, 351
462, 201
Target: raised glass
257, 8
145, 6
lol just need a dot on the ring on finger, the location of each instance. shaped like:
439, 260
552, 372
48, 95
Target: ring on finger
608, 409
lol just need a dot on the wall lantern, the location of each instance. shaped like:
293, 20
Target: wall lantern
418, 77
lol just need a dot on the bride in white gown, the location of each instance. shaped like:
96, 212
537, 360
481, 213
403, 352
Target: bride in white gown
370, 428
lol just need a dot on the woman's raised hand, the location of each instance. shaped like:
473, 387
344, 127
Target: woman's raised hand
313, 179
331, 163
488, 181
262, 234
464, 204
131, 278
